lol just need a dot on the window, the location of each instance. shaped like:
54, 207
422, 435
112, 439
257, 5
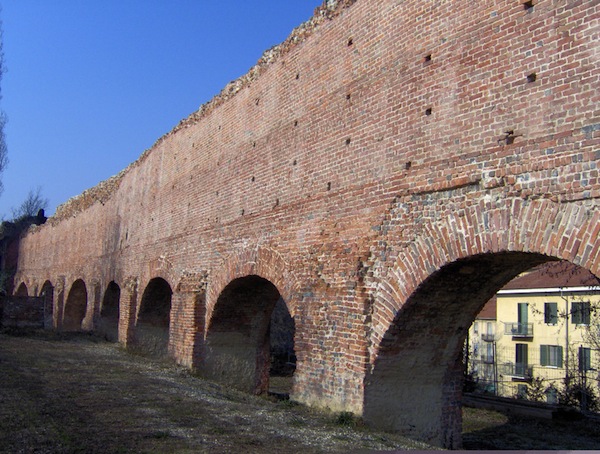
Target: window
522, 313
580, 313
551, 355
489, 328
521, 391
476, 327
521, 360
585, 359
551, 313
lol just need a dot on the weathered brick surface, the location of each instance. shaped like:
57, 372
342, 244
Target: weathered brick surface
386, 171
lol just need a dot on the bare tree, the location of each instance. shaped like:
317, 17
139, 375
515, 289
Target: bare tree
31, 206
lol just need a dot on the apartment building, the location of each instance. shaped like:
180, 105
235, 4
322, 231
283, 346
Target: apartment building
545, 330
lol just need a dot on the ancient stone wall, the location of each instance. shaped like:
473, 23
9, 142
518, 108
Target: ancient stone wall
394, 159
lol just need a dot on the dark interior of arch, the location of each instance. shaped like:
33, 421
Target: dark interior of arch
75, 306
281, 333
22, 290
47, 295
419, 364
238, 344
152, 327
108, 325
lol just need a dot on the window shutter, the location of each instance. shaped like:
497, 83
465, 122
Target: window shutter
559, 356
576, 313
544, 355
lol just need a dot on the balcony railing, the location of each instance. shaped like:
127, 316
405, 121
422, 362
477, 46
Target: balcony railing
518, 329
517, 370
488, 337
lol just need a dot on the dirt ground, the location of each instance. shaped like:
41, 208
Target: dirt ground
74, 393
78, 394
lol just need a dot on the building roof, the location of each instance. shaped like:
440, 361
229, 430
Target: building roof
549, 275
553, 275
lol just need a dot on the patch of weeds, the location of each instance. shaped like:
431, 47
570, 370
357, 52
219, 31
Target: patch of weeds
297, 422
287, 403
346, 419
159, 434
219, 430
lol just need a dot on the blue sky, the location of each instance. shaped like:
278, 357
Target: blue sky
91, 84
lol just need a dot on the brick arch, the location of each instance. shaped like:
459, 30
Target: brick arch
244, 297
76, 306
153, 320
47, 295
260, 261
431, 294
566, 232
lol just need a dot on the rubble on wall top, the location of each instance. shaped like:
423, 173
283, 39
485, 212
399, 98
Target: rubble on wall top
104, 190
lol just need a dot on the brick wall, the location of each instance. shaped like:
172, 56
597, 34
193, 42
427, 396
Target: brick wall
384, 153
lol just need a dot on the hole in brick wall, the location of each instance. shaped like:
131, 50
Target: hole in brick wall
348, 140
295, 123
276, 203
252, 179
428, 111
217, 193
295, 162
297, 76
427, 59
509, 137
253, 144
528, 5
350, 42
408, 165
242, 212
329, 186
256, 101
348, 96
531, 77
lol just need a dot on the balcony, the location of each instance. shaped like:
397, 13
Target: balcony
518, 329
518, 370
487, 337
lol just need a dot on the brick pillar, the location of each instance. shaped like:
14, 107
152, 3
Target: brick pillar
93, 307
127, 310
58, 303
188, 308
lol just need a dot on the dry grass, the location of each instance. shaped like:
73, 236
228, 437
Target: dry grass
63, 393
76, 393
485, 429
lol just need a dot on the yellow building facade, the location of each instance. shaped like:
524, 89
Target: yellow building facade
545, 334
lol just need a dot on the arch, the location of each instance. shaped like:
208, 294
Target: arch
442, 274
47, 295
153, 320
238, 347
75, 306
108, 323
260, 261
22, 290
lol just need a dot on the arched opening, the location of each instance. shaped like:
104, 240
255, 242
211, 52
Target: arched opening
538, 340
47, 295
415, 385
22, 290
238, 348
75, 307
108, 324
152, 327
